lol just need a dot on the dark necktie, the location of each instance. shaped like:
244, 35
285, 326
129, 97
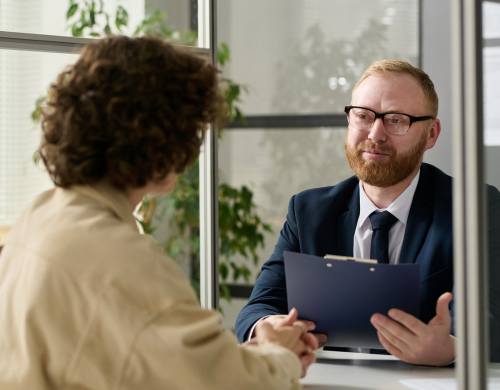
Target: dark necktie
381, 224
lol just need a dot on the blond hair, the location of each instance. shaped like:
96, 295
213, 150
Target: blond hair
402, 67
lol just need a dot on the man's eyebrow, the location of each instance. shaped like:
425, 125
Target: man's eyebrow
392, 110
395, 110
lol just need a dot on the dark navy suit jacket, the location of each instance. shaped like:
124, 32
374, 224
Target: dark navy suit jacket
323, 220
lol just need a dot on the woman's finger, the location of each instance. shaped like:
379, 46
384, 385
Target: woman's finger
306, 360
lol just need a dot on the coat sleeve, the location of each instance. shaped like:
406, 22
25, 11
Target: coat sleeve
184, 347
494, 270
269, 294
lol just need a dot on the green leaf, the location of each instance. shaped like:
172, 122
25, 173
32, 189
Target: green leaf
245, 273
107, 30
76, 31
121, 18
94, 34
236, 271
238, 115
223, 270
224, 292
71, 11
223, 54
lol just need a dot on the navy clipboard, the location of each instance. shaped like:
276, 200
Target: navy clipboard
341, 296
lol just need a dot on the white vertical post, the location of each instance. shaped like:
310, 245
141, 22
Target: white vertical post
204, 23
209, 221
470, 250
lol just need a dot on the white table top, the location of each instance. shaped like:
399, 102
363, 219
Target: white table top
359, 371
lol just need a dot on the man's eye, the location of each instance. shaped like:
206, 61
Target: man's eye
394, 120
362, 116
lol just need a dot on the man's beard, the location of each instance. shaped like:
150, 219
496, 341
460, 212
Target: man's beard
385, 174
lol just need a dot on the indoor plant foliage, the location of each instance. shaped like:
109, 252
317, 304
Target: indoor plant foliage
240, 227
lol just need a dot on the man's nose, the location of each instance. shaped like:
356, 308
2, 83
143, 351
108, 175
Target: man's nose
377, 131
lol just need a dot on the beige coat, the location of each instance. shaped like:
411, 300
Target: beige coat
86, 302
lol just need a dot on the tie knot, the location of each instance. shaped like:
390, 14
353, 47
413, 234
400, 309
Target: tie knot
382, 221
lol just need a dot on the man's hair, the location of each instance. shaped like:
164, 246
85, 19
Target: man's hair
130, 110
402, 67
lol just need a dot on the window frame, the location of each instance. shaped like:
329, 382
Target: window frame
469, 198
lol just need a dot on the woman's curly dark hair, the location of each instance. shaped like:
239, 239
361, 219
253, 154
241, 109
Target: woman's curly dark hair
130, 110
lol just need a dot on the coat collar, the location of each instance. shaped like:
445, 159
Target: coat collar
418, 223
106, 194
346, 225
420, 217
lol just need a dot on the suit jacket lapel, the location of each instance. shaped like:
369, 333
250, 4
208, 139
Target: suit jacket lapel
420, 217
346, 226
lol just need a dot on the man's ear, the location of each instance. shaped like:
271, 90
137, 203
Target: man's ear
433, 133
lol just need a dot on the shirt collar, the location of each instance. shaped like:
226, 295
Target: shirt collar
400, 208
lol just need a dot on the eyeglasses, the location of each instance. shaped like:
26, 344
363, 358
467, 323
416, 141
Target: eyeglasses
394, 122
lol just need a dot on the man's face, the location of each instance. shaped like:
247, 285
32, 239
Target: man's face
377, 157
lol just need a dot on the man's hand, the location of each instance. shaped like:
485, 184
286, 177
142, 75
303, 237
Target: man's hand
278, 321
412, 341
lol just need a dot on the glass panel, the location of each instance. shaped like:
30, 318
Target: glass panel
24, 78
272, 165
174, 221
305, 56
172, 19
491, 82
491, 68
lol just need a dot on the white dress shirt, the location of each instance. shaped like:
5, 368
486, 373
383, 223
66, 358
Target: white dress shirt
400, 208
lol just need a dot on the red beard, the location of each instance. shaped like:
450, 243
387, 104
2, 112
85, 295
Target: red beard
385, 174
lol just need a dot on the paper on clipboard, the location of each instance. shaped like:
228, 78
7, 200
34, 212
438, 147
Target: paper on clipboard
348, 258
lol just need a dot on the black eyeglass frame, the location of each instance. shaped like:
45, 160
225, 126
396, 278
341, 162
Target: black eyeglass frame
413, 119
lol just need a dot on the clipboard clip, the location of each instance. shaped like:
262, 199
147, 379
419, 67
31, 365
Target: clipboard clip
347, 258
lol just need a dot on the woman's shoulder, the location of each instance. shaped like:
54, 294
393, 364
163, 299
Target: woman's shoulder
84, 240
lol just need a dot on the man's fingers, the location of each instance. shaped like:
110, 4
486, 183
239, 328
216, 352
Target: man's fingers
311, 341
394, 332
393, 340
443, 308
309, 324
410, 322
393, 350
322, 339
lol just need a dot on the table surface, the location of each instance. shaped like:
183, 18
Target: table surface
359, 371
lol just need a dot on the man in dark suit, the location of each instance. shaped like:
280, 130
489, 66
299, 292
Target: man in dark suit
396, 209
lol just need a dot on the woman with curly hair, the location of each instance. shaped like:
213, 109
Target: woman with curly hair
86, 301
